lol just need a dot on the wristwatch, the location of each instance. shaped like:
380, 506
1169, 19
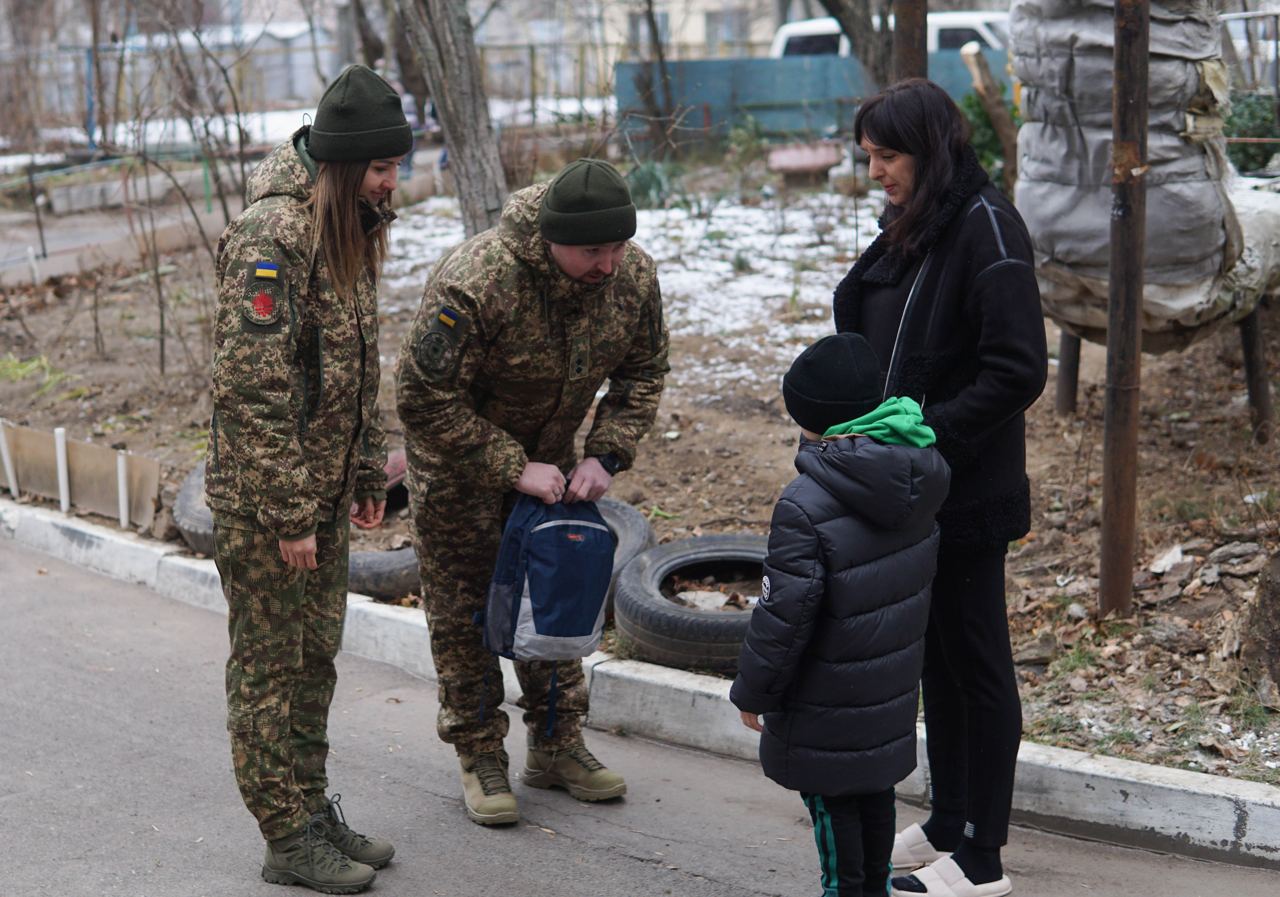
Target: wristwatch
610, 462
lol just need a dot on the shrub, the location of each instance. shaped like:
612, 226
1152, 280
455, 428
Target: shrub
1252, 115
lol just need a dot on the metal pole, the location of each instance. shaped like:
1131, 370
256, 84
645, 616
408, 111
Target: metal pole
1068, 373
9, 474
122, 487
1124, 314
60, 459
910, 39
35, 207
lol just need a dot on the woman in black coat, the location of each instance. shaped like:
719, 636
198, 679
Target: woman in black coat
947, 297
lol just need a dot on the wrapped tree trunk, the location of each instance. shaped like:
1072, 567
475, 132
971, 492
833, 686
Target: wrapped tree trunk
441, 34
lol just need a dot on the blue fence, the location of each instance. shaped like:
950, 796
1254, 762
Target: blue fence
793, 97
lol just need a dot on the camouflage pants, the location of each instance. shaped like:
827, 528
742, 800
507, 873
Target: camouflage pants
286, 628
457, 535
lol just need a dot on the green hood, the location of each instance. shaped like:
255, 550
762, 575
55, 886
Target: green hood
896, 421
286, 171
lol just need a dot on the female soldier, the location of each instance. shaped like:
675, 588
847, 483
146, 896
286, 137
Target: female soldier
947, 297
295, 439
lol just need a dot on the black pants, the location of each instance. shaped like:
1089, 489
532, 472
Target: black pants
972, 714
855, 841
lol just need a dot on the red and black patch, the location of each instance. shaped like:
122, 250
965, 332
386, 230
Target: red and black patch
262, 305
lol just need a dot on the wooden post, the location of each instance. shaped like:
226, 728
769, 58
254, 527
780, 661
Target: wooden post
988, 90
1124, 313
1068, 373
1255, 375
910, 40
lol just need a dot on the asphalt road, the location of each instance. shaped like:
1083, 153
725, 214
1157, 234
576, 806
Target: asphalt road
115, 779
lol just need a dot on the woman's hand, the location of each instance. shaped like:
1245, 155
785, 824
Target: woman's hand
300, 553
752, 721
367, 513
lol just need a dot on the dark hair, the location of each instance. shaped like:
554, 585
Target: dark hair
916, 117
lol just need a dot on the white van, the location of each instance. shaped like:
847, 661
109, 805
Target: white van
945, 31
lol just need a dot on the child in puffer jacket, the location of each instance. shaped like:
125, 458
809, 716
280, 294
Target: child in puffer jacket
833, 655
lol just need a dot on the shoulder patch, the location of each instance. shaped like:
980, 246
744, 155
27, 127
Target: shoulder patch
263, 303
438, 349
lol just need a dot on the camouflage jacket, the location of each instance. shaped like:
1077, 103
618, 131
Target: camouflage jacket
295, 433
507, 354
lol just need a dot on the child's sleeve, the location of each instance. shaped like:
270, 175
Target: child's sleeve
783, 620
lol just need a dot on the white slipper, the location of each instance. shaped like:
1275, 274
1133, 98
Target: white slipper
911, 849
944, 878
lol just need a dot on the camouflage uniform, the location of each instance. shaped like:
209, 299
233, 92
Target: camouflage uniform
295, 438
500, 368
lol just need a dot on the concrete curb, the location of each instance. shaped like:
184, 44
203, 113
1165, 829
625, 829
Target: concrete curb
1120, 801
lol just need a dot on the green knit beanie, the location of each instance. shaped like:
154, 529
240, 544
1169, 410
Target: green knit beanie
359, 118
588, 203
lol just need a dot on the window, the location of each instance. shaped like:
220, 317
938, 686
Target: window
812, 45
726, 26
638, 31
955, 38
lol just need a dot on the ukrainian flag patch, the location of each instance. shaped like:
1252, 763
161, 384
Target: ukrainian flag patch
448, 317
266, 270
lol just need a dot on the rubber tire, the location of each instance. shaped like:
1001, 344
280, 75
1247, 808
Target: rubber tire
632, 534
191, 515
384, 574
378, 574
660, 631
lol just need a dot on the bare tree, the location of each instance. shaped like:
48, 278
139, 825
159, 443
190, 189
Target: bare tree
660, 115
309, 12
371, 46
872, 44
441, 34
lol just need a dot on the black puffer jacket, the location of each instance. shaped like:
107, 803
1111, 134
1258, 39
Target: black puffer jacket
835, 647
970, 349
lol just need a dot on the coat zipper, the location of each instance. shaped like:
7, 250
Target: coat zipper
897, 337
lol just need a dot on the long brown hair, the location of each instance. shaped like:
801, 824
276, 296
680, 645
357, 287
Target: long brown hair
339, 226
916, 117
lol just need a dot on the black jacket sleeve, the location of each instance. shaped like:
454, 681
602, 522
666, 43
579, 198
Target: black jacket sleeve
783, 620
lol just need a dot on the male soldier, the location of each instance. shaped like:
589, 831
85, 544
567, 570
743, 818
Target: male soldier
519, 328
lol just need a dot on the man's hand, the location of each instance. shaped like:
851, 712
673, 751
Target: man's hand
367, 513
588, 481
544, 481
752, 721
300, 553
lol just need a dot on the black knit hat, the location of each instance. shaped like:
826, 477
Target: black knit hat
588, 203
833, 381
359, 118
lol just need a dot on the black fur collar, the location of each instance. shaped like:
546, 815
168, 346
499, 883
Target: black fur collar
884, 263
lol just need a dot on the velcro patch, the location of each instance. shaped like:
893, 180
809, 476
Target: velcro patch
438, 350
263, 304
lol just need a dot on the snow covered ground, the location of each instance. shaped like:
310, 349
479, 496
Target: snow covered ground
749, 284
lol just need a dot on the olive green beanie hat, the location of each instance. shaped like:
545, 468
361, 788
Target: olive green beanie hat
359, 117
587, 203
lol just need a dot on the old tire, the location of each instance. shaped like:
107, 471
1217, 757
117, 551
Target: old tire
379, 574
384, 574
191, 515
632, 534
655, 629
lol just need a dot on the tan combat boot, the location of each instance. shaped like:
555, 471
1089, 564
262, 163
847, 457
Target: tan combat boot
486, 789
574, 769
306, 858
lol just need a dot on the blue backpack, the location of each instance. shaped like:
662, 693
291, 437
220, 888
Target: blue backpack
547, 597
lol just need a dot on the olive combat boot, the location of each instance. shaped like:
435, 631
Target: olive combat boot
332, 826
306, 858
575, 769
486, 790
